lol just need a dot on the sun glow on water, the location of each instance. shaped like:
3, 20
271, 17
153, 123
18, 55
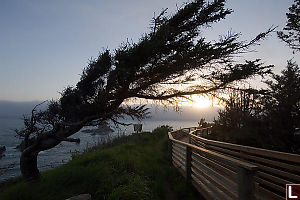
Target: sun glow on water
194, 101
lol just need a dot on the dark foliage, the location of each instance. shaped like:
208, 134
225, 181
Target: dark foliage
268, 119
242, 121
282, 104
291, 32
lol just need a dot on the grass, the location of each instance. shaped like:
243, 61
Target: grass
133, 167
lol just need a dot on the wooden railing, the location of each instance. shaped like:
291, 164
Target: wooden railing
221, 170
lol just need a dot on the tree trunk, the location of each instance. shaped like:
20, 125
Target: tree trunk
28, 165
28, 160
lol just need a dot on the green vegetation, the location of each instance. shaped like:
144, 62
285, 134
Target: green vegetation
133, 167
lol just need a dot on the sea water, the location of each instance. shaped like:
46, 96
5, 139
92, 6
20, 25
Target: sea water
62, 153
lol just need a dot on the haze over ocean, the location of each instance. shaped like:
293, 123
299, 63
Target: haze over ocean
11, 118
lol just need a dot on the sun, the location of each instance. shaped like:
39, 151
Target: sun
201, 101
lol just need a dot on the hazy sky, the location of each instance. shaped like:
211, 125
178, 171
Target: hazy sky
44, 45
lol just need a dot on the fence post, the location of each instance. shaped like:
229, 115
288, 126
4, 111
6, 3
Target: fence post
170, 146
188, 164
246, 183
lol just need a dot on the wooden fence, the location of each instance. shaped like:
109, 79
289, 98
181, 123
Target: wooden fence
221, 170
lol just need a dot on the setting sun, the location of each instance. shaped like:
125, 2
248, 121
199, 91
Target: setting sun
201, 101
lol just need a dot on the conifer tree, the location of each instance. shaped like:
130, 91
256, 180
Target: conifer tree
291, 32
282, 105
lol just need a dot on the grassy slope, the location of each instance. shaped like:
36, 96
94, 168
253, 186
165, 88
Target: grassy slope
134, 167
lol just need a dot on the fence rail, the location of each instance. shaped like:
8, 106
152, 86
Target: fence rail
221, 170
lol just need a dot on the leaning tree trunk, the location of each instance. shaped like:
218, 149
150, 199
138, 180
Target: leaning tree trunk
28, 165
28, 160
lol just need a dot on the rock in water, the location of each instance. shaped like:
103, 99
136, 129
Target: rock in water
2, 150
81, 197
102, 129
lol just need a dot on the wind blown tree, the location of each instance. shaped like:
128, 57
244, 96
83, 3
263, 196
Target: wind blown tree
171, 61
291, 33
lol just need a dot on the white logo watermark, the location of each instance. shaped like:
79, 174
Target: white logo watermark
293, 191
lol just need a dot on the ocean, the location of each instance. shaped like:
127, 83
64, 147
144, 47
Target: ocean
62, 153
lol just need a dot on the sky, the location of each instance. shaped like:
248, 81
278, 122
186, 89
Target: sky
44, 45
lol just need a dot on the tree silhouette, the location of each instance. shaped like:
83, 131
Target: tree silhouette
171, 61
291, 33
241, 107
282, 104
241, 121
266, 118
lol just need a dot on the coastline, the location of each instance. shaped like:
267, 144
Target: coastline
130, 167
